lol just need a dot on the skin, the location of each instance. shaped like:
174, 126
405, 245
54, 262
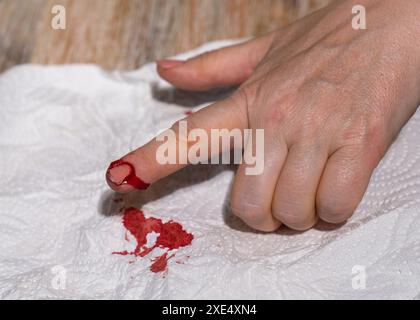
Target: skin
331, 100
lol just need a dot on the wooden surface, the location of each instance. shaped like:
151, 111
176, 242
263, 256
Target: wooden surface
123, 34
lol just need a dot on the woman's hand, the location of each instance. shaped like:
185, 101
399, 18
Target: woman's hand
330, 99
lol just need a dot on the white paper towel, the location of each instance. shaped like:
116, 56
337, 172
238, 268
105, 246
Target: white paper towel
60, 126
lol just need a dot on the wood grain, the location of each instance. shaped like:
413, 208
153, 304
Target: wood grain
123, 34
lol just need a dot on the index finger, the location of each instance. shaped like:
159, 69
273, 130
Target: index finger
144, 166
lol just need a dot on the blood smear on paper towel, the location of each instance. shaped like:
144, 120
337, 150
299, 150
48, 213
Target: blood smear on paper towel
171, 236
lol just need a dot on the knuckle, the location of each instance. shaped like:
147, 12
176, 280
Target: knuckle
313, 132
365, 130
176, 129
368, 143
294, 219
334, 212
282, 108
247, 211
181, 135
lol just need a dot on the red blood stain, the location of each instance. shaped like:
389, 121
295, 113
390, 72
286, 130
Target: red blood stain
131, 178
188, 113
160, 263
171, 236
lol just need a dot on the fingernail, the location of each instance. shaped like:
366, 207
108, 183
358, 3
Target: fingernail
169, 64
120, 172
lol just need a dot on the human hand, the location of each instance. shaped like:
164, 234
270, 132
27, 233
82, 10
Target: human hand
330, 99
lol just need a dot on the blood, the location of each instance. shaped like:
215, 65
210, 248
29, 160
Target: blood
160, 263
188, 113
171, 236
131, 178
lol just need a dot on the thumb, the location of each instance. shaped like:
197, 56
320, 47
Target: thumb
219, 68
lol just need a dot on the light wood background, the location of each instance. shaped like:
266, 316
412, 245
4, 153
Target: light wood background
123, 34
